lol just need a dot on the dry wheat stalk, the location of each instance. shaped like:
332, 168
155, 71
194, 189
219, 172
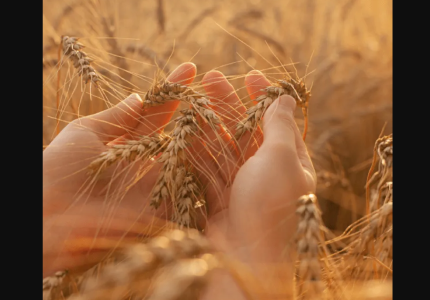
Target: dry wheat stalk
369, 251
188, 198
369, 290
165, 91
176, 179
182, 258
81, 61
384, 248
328, 179
185, 278
308, 238
142, 149
296, 89
380, 196
146, 52
383, 154
374, 238
53, 285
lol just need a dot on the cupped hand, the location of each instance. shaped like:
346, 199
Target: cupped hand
84, 217
257, 223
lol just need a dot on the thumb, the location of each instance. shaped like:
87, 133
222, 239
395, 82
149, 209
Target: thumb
283, 141
278, 123
115, 121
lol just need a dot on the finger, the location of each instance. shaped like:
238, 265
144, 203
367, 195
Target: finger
254, 81
115, 121
229, 108
216, 143
305, 160
155, 118
279, 126
283, 141
226, 102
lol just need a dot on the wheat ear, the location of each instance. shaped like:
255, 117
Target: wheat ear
144, 148
296, 89
53, 285
176, 179
308, 238
73, 49
182, 256
371, 241
383, 155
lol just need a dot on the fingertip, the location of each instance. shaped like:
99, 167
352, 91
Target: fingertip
216, 85
255, 75
278, 122
255, 81
133, 102
287, 102
184, 73
254, 72
133, 98
212, 76
282, 108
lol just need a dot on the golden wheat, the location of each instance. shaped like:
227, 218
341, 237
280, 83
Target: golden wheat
73, 50
291, 87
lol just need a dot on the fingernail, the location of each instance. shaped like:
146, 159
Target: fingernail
135, 96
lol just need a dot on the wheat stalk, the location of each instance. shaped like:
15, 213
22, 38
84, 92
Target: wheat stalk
181, 257
374, 238
176, 180
53, 285
144, 148
73, 49
308, 239
296, 89
383, 154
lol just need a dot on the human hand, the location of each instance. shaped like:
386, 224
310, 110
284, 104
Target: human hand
258, 222
84, 218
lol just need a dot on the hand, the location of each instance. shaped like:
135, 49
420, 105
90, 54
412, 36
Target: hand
258, 222
79, 225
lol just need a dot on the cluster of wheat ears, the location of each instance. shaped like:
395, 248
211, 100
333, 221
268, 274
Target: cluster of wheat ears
182, 259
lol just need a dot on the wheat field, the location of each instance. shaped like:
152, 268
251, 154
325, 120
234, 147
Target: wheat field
333, 57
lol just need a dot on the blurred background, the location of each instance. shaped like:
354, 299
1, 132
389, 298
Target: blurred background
344, 47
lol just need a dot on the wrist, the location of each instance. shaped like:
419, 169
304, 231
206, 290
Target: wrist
263, 269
